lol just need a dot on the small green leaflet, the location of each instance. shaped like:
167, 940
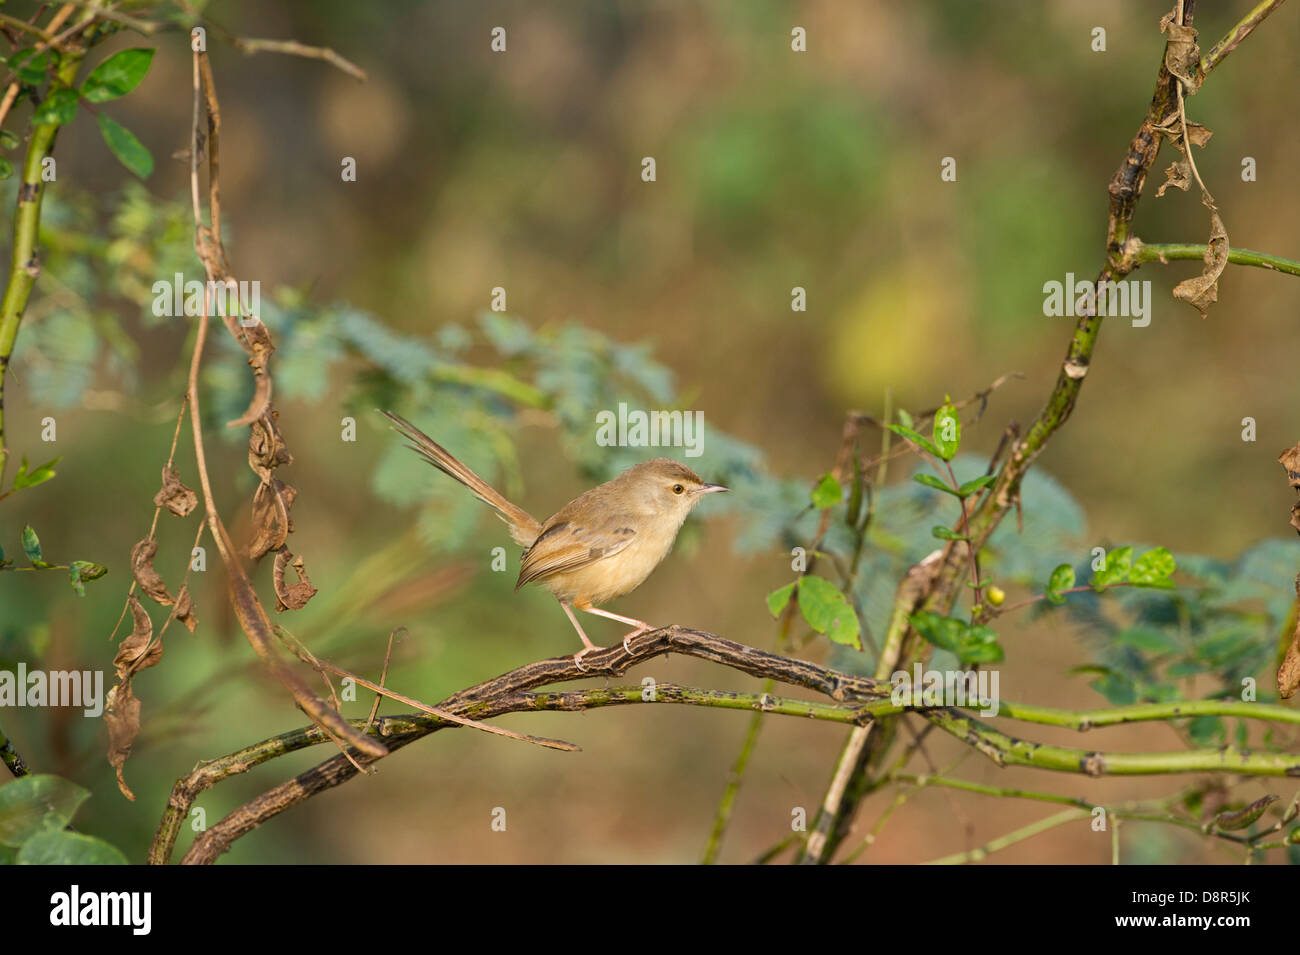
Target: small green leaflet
32, 547
947, 431
25, 478
117, 76
917, 439
129, 151
827, 493
82, 570
778, 598
59, 108
977, 484
1062, 579
1153, 569
947, 533
6, 168
826, 611
971, 644
929, 480
1242, 818
1118, 563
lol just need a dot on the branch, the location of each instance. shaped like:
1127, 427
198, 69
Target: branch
855, 700
942, 586
1162, 253
1239, 32
25, 266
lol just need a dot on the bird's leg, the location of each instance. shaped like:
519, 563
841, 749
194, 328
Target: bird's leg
641, 625
588, 645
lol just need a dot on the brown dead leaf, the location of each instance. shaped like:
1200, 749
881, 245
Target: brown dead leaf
1178, 175
138, 651
122, 715
292, 596
1290, 459
1182, 56
150, 580
175, 496
272, 524
1202, 291
184, 611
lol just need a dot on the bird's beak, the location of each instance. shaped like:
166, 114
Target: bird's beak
711, 488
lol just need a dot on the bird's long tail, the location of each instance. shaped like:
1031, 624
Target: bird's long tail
524, 528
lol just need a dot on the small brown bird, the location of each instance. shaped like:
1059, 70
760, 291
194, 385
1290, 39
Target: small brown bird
599, 546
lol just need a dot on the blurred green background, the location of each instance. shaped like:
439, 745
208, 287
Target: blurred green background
522, 170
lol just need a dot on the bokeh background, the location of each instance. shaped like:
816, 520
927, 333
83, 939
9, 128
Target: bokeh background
775, 169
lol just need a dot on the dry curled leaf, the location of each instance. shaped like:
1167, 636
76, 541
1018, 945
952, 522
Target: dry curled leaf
1178, 175
1202, 291
184, 610
1288, 671
291, 596
150, 580
122, 716
139, 650
1182, 56
175, 496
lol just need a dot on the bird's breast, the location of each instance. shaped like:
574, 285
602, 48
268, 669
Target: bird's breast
611, 577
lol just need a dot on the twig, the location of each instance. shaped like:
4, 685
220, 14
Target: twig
1157, 252
249, 46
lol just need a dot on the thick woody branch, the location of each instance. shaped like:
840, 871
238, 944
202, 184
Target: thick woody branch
856, 701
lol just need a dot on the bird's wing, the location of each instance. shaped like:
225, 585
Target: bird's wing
566, 546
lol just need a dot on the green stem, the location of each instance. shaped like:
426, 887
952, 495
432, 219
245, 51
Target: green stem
1190, 251
24, 264
1008, 750
1011, 838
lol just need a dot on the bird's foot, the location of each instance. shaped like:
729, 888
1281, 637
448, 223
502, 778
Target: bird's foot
577, 657
644, 628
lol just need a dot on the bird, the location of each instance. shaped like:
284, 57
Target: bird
601, 545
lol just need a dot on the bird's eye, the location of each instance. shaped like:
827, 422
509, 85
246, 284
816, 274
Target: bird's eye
678, 489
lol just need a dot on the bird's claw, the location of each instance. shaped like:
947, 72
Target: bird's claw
577, 657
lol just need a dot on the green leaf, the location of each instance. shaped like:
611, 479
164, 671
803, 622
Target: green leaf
6, 168
947, 533
778, 598
846, 629
40, 475
827, 493
30, 69
904, 418
978, 644
929, 480
8, 140
1207, 730
68, 848
117, 76
32, 545
1118, 563
1153, 569
123, 144
1248, 816
35, 804
89, 570
947, 431
1148, 640
59, 108
1062, 579
915, 438
981, 482
826, 611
